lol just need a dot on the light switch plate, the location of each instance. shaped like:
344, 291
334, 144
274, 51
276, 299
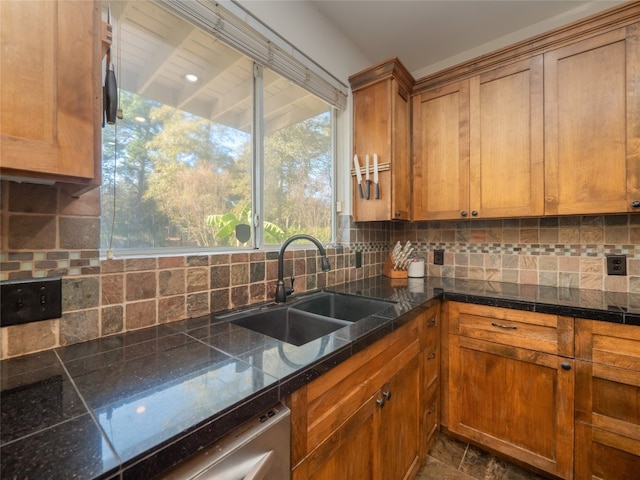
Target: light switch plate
31, 300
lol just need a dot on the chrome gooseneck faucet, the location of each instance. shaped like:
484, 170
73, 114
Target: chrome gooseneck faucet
281, 291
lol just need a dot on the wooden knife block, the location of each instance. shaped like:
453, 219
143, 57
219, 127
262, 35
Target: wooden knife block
389, 271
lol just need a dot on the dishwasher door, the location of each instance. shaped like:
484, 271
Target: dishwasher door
257, 450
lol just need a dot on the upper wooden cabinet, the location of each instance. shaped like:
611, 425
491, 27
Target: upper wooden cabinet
50, 89
441, 152
381, 125
478, 146
592, 125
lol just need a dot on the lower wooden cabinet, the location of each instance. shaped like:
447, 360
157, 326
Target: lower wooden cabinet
512, 399
607, 401
364, 418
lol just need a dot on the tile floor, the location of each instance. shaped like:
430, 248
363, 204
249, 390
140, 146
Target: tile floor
451, 459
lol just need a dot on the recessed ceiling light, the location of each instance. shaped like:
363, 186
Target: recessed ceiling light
140, 119
191, 77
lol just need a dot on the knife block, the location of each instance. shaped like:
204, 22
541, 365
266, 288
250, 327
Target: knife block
389, 271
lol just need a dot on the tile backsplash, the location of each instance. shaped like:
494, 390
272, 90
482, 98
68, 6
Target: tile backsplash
45, 232
553, 251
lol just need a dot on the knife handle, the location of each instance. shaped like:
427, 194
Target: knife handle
368, 194
377, 191
361, 192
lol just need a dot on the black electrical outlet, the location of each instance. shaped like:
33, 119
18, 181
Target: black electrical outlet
25, 301
616, 264
358, 259
438, 257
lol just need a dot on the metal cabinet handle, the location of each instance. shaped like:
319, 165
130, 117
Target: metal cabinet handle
474, 213
431, 322
635, 204
432, 356
509, 327
387, 394
380, 402
565, 365
463, 213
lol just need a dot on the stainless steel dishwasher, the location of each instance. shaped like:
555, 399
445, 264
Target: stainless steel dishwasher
257, 450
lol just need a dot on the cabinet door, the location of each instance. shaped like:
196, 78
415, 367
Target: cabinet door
381, 126
515, 401
348, 453
592, 124
507, 141
50, 88
441, 153
398, 432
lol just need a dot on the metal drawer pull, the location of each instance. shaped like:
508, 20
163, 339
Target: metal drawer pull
431, 323
431, 356
387, 395
509, 327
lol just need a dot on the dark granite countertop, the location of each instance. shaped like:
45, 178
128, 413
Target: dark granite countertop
132, 405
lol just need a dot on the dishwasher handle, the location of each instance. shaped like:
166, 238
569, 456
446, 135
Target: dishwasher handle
261, 468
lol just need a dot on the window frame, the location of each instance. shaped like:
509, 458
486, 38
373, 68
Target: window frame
274, 42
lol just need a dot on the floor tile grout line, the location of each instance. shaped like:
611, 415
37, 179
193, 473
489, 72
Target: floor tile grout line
466, 449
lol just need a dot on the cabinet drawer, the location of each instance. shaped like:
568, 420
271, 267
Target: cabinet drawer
605, 455
534, 331
608, 398
608, 343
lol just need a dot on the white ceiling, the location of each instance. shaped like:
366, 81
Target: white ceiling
428, 35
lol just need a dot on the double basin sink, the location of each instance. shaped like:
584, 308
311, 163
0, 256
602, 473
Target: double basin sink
305, 319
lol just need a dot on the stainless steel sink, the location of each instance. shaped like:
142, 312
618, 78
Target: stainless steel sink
309, 318
345, 307
290, 325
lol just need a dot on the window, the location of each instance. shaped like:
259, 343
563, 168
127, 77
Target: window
213, 148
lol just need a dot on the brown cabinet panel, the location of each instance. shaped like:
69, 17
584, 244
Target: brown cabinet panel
602, 455
607, 400
50, 89
363, 419
515, 401
381, 125
507, 142
536, 331
608, 343
398, 432
441, 153
348, 453
479, 146
592, 114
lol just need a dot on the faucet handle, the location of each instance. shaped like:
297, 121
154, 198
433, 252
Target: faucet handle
289, 292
